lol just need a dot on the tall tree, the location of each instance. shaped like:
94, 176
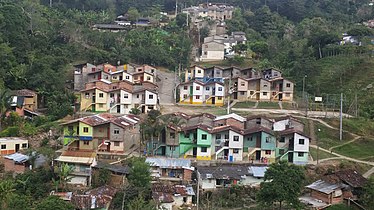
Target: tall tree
282, 184
4, 104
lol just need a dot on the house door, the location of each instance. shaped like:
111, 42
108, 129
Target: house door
258, 141
99, 76
163, 150
213, 100
236, 95
258, 154
280, 96
257, 96
93, 108
290, 157
118, 108
120, 78
108, 147
143, 109
17, 147
194, 152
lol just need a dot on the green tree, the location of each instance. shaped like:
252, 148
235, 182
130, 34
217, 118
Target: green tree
140, 175
139, 203
64, 174
6, 192
133, 14
282, 184
55, 203
4, 104
135, 111
101, 177
368, 193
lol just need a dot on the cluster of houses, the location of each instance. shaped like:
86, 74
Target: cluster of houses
220, 47
116, 89
214, 84
233, 138
210, 11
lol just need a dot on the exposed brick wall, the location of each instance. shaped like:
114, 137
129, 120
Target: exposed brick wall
187, 176
9, 166
326, 198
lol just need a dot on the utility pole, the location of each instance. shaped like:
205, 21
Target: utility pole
228, 96
176, 8
50, 3
341, 118
198, 191
356, 105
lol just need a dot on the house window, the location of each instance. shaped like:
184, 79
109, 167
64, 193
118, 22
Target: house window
288, 85
86, 142
250, 138
101, 105
197, 87
236, 138
154, 145
218, 136
199, 71
116, 143
242, 84
126, 96
242, 93
288, 94
300, 154
204, 149
219, 88
302, 141
185, 87
172, 148
197, 97
187, 135
184, 96
265, 85
251, 92
226, 136
137, 95
282, 140
112, 95
150, 96
207, 88
267, 152
172, 135
219, 98
101, 95
3, 146
150, 107
87, 95
116, 131
114, 77
281, 151
24, 145
148, 78
203, 136
267, 140
265, 93
85, 129
127, 77
235, 151
205, 52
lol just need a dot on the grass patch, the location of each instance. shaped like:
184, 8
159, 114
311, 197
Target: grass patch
340, 207
245, 104
359, 126
288, 106
268, 105
322, 154
328, 137
359, 149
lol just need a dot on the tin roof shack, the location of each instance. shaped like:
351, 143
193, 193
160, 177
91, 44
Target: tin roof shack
17, 163
323, 194
98, 198
81, 162
171, 169
350, 179
213, 177
118, 176
170, 197
257, 174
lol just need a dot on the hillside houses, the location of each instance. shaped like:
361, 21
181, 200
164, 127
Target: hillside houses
107, 88
214, 84
211, 11
233, 138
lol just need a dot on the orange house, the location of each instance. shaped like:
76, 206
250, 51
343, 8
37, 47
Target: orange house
10, 145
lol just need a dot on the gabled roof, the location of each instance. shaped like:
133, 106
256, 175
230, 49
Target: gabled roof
251, 117
232, 115
225, 128
198, 126
82, 157
98, 119
114, 168
208, 115
324, 187
25, 92
349, 176
258, 129
292, 131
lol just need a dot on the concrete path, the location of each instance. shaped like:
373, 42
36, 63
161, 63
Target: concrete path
348, 142
256, 105
368, 173
167, 82
280, 104
339, 156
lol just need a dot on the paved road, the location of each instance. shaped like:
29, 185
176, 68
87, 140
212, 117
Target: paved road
166, 84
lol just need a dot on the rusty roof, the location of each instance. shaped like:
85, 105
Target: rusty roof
25, 92
87, 154
198, 126
98, 119
100, 197
225, 128
352, 178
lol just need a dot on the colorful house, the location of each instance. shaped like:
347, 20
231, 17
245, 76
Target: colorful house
260, 143
293, 146
10, 145
196, 142
198, 92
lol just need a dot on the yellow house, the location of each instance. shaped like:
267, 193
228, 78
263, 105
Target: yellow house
94, 99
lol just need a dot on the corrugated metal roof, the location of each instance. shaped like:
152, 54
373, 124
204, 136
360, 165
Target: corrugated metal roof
258, 171
169, 162
323, 186
17, 157
70, 159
